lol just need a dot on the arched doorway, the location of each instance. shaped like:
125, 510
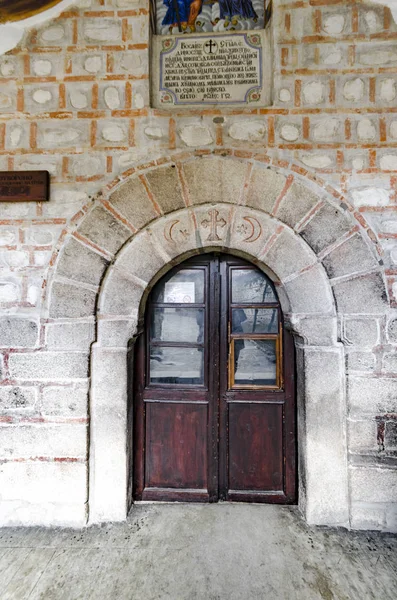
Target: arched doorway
214, 388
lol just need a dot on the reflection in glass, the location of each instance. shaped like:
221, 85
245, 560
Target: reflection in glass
185, 287
251, 286
254, 320
255, 362
177, 325
176, 365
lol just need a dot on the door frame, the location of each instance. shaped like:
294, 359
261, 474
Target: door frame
218, 341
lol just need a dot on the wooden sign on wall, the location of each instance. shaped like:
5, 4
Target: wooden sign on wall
24, 186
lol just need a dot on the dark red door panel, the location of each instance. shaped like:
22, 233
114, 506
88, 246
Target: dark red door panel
256, 448
176, 446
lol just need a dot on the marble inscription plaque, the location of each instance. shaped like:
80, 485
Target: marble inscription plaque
211, 69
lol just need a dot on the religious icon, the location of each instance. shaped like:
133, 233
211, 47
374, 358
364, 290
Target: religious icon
183, 12
190, 16
231, 10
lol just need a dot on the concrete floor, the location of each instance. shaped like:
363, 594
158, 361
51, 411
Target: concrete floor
198, 552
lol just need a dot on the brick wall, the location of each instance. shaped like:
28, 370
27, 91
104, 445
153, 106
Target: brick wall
74, 99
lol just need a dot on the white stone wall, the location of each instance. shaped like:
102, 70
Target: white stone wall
74, 99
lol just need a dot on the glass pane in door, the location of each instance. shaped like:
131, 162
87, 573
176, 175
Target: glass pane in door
255, 362
177, 325
251, 286
254, 320
185, 287
170, 364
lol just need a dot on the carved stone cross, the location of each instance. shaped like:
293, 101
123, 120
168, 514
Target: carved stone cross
213, 223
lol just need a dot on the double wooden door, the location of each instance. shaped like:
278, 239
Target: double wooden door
214, 415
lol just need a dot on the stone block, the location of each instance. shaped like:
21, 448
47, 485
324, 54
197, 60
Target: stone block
116, 333
71, 301
327, 225
362, 435
314, 92
108, 476
141, 258
389, 362
310, 292
132, 201
113, 133
360, 361
353, 256
39, 440
247, 131
166, 188
80, 263
364, 294
87, 165
264, 187
325, 439
18, 332
65, 401
373, 484
10, 289
391, 331
298, 201
38, 482
121, 295
55, 33
215, 178
371, 395
52, 366
115, 375
62, 134
103, 31
70, 336
289, 131
391, 516
176, 233
102, 228
8, 97
363, 332
327, 129
316, 331
42, 97
15, 513
108, 473
196, 134
250, 231
288, 255
213, 225
391, 436
366, 515
17, 398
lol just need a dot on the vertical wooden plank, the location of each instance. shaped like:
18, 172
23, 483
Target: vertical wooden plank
212, 360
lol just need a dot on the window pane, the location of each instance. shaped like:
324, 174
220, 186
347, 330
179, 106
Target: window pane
176, 365
254, 320
250, 286
185, 287
255, 362
177, 325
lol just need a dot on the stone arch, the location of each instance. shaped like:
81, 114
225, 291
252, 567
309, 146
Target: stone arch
318, 254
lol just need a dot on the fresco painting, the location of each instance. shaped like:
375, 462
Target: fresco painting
208, 15
15, 10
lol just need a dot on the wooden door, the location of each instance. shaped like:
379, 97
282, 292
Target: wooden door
214, 415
